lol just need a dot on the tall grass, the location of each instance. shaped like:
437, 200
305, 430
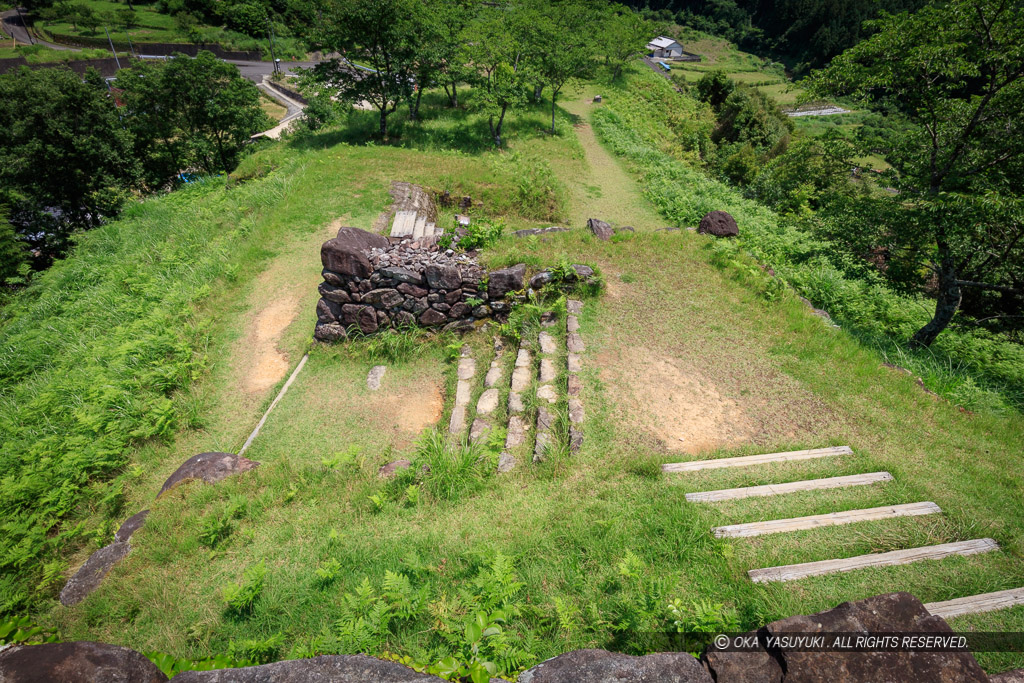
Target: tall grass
977, 369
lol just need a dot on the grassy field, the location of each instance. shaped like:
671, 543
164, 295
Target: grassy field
40, 54
272, 108
685, 360
157, 27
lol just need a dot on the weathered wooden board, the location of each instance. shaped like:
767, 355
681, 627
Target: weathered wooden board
789, 487
986, 602
777, 526
748, 460
420, 227
792, 572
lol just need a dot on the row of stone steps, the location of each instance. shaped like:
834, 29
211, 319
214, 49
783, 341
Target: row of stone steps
544, 366
412, 225
793, 572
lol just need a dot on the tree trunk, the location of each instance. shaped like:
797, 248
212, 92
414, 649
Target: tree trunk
453, 99
496, 130
537, 90
946, 306
414, 112
554, 96
383, 124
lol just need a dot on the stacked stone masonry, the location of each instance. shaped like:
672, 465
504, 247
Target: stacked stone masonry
463, 392
372, 282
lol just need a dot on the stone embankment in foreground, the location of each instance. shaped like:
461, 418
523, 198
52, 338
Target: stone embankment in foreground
86, 662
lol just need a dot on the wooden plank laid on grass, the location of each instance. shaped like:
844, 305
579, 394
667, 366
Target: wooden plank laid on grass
777, 526
748, 460
792, 572
789, 487
973, 604
403, 224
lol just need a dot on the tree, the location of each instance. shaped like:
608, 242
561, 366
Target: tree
376, 38
85, 16
65, 155
624, 36
954, 72
127, 18
501, 77
565, 49
188, 113
451, 18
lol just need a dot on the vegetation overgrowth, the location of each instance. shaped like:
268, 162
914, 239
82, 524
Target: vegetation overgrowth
660, 133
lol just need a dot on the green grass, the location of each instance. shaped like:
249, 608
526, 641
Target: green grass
599, 540
40, 54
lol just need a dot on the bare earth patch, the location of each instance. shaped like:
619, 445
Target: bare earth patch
269, 364
414, 408
679, 406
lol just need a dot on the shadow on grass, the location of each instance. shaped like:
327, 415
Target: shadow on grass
439, 127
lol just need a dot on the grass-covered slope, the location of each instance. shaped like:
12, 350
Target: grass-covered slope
654, 129
96, 353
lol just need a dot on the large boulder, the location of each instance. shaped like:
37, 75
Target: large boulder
442, 277
881, 614
130, 526
600, 666
346, 253
330, 332
326, 668
601, 230
501, 282
91, 573
719, 224
210, 467
77, 662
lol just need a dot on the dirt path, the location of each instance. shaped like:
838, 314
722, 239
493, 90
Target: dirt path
607, 191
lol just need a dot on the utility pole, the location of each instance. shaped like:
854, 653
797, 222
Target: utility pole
270, 34
131, 48
25, 26
116, 60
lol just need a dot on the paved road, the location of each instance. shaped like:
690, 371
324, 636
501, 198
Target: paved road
255, 71
14, 28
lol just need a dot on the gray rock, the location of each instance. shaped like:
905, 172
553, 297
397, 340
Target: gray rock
327, 311
77, 662
412, 290
383, 298
332, 278
453, 297
322, 669
574, 307
402, 275
506, 463
600, 666
464, 325
538, 231
89, 575
743, 667
501, 282
130, 526
583, 272
540, 279
1015, 676
625, 228
575, 385
209, 467
391, 469
575, 343
335, 294
547, 370
346, 253
459, 310
575, 410
374, 377
364, 317
431, 317
403, 319
575, 437
330, 332
481, 311
719, 224
572, 324
443, 307
488, 402
442, 277
419, 305
669, 230
383, 320
601, 230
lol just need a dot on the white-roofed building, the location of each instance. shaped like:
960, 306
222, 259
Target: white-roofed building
663, 46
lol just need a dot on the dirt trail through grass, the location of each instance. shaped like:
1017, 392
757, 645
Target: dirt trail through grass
607, 191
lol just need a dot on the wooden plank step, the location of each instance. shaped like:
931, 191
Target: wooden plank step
748, 460
777, 526
403, 223
789, 487
791, 572
986, 602
421, 225
430, 230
